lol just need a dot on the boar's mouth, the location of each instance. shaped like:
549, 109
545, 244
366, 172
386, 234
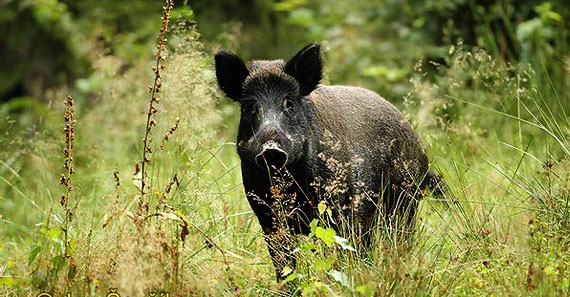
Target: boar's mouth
271, 155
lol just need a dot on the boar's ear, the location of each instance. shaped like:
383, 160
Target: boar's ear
231, 73
306, 67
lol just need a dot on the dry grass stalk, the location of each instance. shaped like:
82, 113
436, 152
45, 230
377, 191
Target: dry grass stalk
65, 179
154, 90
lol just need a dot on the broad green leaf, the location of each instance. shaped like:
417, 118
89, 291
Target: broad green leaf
286, 271
58, 262
365, 290
34, 254
340, 277
322, 207
344, 243
326, 235
306, 247
324, 264
10, 281
313, 226
71, 246
51, 233
293, 276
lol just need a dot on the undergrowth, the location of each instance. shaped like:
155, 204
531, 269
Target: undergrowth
152, 203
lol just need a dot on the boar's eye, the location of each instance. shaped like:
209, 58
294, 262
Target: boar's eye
249, 108
288, 103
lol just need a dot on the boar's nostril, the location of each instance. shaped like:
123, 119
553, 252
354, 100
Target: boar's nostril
271, 155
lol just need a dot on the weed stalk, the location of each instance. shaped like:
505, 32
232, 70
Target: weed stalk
65, 179
154, 91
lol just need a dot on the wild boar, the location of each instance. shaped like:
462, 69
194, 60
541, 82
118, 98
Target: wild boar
291, 124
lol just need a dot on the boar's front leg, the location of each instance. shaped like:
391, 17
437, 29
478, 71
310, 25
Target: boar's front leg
279, 243
272, 220
276, 234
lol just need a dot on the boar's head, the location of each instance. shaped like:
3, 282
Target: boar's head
276, 115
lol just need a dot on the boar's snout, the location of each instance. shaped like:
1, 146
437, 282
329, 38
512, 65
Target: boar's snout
271, 155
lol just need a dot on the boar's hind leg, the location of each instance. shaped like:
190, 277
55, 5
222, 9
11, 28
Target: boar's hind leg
400, 204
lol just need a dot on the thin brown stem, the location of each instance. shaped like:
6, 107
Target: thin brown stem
65, 179
154, 91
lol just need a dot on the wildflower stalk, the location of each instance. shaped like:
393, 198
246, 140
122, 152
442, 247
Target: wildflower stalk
65, 179
154, 90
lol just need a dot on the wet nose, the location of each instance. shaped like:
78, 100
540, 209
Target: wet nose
271, 155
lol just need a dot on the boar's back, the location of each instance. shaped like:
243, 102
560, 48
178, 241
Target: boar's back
371, 132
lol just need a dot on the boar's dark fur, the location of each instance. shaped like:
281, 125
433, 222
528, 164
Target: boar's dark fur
289, 123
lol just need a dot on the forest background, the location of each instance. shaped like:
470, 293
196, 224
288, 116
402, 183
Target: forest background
486, 84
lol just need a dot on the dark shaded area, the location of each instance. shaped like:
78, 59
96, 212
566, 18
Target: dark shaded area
51, 44
34, 55
47, 45
377, 43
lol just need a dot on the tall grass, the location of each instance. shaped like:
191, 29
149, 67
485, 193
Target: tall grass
124, 238
189, 231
